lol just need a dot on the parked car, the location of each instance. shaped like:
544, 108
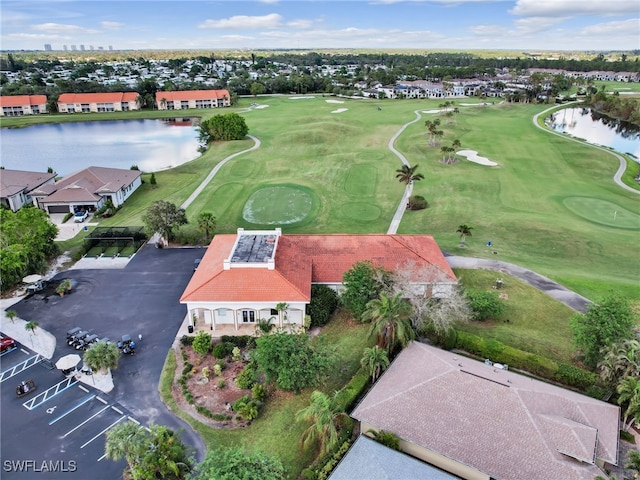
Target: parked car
196, 263
80, 216
6, 343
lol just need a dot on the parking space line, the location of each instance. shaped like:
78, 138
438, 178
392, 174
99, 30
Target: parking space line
119, 411
101, 400
83, 389
86, 421
8, 351
103, 431
44, 396
21, 367
89, 398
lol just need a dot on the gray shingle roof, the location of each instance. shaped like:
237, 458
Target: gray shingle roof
496, 421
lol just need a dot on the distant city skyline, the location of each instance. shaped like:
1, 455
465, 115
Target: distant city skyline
273, 24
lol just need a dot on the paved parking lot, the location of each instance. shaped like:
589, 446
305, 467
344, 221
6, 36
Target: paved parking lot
139, 299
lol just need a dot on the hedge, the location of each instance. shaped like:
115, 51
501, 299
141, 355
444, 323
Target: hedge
350, 393
496, 351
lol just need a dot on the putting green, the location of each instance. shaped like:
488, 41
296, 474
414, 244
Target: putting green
360, 211
279, 205
603, 212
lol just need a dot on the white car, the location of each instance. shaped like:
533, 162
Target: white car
81, 216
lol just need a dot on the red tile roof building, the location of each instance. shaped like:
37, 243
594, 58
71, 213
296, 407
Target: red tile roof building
182, 100
481, 421
17, 105
242, 277
98, 102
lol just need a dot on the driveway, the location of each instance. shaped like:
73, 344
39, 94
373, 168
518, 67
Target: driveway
142, 298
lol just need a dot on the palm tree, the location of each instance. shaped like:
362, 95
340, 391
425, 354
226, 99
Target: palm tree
207, 223
629, 393
31, 327
465, 231
407, 174
375, 360
620, 360
323, 412
102, 356
128, 441
389, 317
11, 315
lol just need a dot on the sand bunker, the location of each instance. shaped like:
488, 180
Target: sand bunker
260, 106
473, 104
300, 98
431, 111
334, 101
473, 156
340, 110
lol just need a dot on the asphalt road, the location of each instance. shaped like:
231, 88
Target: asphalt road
142, 298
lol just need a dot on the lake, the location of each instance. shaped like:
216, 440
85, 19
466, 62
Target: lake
152, 145
597, 129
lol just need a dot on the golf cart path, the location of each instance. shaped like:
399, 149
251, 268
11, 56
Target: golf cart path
542, 283
215, 170
617, 178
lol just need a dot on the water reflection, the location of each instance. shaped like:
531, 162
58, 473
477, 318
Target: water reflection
597, 129
152, 145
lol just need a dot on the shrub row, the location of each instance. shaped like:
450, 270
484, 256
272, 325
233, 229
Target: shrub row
496, 351
215, 416
240, 341
351, 392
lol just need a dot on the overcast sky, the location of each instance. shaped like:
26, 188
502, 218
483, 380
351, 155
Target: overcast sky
233, 24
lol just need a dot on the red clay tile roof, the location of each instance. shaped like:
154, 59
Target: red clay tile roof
21, 100
304, 259
176, 96
506, 425
108, 97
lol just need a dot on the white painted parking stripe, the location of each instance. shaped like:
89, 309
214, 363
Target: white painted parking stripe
89, 398
82, 388
87, 420
109, 427
119, 411
101, 400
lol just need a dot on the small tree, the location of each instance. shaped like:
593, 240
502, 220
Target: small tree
629, 394
11, 315
375, 360
202, 343
407, 174
153, 180
363, 283
324, 301
31, 327
207, 224
235, 463
102, 356
324, 413
465, 231
164, 217
484, 305
606, 323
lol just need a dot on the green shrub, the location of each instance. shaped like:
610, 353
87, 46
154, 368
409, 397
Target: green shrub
323, 303
627, 436
576, 377
67, 217
332, 461
258, 392
246, 407
485, 305
240, 341
247, 378
223, 349
598, 392
417, 202
221, 383
187, 340
236, 354
202, 343
308, 474
220, 417
187, 368
351, 392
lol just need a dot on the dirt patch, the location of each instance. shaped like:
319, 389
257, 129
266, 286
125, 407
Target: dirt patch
209, 393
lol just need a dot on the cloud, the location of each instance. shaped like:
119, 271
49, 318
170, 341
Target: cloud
58, 28
553, 8
622, 27
33, 36
526, 26
445, 2
244, 21
300, 24
488, 30
269, 2
112, 25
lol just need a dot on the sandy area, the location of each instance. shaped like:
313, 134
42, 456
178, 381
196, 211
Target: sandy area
258, 107
300, 98
473, 104
431, 111
334, 101
473, 156
340, 110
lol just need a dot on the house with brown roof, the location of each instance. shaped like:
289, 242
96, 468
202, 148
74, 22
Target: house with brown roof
98, 102
88, 189
17, 105
243, 277
482, 421
16, 186
182, 100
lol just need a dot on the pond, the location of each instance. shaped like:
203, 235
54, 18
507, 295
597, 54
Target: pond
152, 145
598, 129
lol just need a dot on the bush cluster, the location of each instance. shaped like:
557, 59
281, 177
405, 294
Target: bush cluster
240, 341
323, 303
485, 305
223, 350
187, 340
351, 392
246, 407
247, 378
